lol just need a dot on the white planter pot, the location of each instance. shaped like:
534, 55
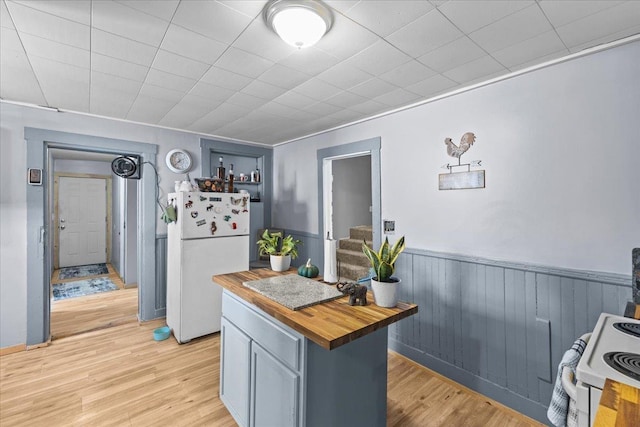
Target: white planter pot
280, 262
385, 294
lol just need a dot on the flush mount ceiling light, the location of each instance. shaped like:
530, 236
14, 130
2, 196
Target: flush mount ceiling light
299, 23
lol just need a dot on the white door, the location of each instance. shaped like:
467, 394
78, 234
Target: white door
82, 216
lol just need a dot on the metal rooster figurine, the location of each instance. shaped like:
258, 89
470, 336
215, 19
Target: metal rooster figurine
457, 151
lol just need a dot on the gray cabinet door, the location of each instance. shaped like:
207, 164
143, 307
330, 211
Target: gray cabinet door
235, 353
275, 391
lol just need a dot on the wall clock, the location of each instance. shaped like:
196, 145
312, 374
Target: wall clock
179, 161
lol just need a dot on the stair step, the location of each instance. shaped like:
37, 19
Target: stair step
352, 257
361, 232
351, 244
351, 272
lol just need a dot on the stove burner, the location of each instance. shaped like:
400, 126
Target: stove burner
628, 328
625, 363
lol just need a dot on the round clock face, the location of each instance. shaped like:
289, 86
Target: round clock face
178, 161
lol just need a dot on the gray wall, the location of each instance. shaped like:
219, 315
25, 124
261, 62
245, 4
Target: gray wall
351, 194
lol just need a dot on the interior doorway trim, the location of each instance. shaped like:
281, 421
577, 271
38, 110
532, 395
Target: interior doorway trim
56, 216
39, 237
369, 147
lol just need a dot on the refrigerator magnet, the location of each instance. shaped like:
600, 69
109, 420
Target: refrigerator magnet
201, 222
214, 228
189, 204
194, 214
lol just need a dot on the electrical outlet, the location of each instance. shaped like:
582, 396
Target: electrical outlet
389, 227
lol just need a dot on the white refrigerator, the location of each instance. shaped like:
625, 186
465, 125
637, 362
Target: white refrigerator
210, 236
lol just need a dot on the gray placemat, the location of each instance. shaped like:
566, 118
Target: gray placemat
293, 291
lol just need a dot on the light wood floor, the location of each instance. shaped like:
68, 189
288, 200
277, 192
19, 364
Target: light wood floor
120, 376
91, 312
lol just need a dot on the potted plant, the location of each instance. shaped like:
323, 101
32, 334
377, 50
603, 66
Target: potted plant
280, 250
383, 285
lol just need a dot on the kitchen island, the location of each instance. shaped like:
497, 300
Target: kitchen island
324, 365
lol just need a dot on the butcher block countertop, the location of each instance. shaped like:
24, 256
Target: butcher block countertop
619, 406
329, 324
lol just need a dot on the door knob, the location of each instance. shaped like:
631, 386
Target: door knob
62, 227
61, 219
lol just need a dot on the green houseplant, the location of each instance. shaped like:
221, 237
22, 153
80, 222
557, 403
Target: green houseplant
281, 250
383, 284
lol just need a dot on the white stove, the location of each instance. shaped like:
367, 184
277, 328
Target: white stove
612, 352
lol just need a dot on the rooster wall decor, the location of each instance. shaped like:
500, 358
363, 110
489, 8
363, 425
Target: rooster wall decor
460, 180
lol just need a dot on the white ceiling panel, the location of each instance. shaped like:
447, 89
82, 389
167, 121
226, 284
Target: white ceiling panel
425, 34
160, 9
213, 65
73, 10
117, 67
512, 29
122, 48
45, 25
386, 17
211, 19
44, 48
179, 65
470, 15
187, 43
129, 23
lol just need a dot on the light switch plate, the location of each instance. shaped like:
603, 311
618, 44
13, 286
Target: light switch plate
389, 226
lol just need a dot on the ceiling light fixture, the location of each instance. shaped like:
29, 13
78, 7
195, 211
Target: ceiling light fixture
299, 23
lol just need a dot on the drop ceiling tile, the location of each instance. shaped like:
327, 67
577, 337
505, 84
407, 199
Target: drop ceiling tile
563, 12
317, 89
294, 100
41, 24
250, 8
147, 109
284, 77
161, 78
245, 100
110, 102
343, 6
117, 67
64, 86
372, 88
601, 24
397, 97
161, 93
425, 34
530, 49
160, 9
386, 17
369, 107
631, 31
17, 80
345, 99
121, 48
343, 30
114, 83
452, 55
185, 42
470, 16
428, 87
215, 93
224, 114
513, 29
276, 109
378, 58
211, 19
37, 46
322, 109
179, 65
73, 10
407, 74
538, 61
119, 19
5, 18
475, 69
263, 90
227, 79
261, 41
181, 116
243, 63
311, 61
344, 76
199, 102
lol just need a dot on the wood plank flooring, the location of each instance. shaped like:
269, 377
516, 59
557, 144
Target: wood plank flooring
120, 377
91, 312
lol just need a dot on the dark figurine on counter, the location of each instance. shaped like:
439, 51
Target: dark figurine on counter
357, 293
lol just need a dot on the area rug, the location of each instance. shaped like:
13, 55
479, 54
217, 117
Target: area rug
82, 287
83, 271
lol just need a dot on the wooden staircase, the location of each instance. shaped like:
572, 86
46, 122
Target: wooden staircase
352, 263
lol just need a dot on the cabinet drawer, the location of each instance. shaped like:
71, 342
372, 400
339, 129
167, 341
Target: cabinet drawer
282, 343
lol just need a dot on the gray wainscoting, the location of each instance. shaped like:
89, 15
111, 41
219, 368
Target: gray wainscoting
161, 275
499, 328
312, 247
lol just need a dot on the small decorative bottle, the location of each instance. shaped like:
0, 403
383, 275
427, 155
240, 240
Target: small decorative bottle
231, 179
220, 170
257, 175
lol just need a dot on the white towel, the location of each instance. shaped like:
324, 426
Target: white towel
561, 412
